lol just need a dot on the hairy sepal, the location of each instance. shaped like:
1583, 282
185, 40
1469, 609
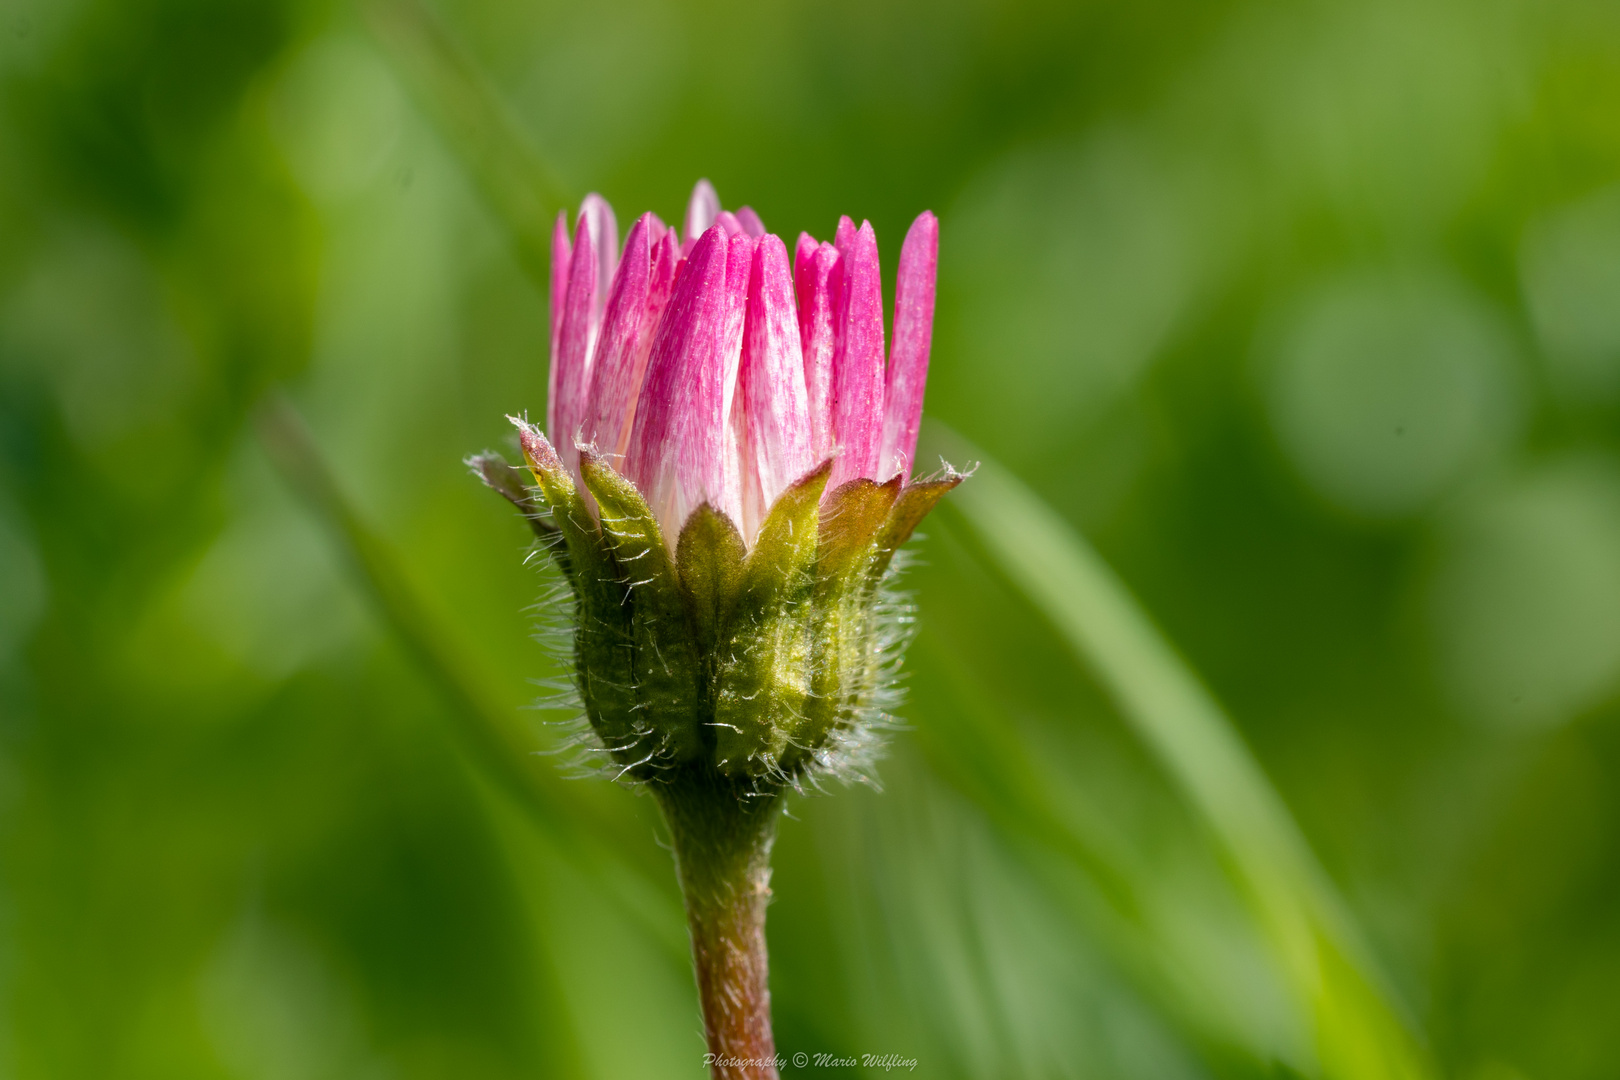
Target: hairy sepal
666, 684
845, 659
757, 666
710, 554
910, 507
762, 674
603, 658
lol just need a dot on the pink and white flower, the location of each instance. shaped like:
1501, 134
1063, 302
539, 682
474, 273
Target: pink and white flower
710, 370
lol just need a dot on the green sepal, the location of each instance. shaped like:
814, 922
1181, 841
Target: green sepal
581, 543
763, 678
754, 666
843, 664
789, 536
710, 555
910, 507
850, 518
604, 670
666, 677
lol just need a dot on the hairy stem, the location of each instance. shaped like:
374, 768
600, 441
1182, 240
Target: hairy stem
722, 834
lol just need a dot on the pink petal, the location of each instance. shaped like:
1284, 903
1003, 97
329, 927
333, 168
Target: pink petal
750, 222
571, 371
728, 221
561, 256
634, 305
677, 451
605, 230
701, 210
666, 257
857, 366
803, 251
739, 268
818, 276
777, 449
908, 356
666, 260
658, 228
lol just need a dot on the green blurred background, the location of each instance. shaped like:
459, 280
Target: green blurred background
1306, 314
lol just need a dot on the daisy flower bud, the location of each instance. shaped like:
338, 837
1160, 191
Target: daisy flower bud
727, 460
724, 479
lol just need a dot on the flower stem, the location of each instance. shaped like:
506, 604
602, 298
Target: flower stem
722, 833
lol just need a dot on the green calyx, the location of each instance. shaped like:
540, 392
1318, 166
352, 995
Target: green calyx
760, 666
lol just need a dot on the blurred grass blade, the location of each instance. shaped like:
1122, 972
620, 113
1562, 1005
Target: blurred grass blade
491, 744
481, 131
1358, 1032
968, 748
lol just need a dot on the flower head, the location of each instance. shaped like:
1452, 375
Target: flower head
728, 474
699, 374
